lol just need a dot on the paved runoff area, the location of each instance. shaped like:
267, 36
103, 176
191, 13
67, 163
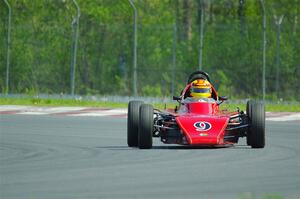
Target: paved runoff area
98, 112
68, 157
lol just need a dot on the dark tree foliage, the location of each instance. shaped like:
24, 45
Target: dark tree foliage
42, 36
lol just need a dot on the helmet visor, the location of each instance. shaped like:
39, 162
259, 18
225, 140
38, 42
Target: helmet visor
200, 90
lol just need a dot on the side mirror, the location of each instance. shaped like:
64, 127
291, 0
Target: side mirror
223, 98
176, 98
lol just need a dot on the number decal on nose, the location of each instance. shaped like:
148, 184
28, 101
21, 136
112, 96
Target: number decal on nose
202, 126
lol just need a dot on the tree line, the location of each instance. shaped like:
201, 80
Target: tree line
42, 35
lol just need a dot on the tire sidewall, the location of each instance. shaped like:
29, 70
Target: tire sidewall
248, 111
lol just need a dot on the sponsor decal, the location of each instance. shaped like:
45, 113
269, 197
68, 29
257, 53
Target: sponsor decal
203, 134
202, 126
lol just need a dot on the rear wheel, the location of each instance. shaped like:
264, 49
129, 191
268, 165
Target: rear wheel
133, 123
256, 132
145, 126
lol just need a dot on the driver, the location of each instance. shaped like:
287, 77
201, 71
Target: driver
201, 88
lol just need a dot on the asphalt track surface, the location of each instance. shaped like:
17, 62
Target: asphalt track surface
87, 157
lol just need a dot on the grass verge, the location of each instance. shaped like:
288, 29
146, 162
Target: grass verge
73, 102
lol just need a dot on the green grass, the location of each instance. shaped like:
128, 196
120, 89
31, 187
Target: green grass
73, 102
265, 196
269, 107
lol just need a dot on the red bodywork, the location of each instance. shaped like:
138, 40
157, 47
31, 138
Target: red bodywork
202, 123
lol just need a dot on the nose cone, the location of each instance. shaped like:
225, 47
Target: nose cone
203, 130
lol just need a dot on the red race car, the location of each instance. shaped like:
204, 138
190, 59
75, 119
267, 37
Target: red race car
197, 121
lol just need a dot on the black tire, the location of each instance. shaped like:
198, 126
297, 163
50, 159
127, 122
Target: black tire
257, 125
133, 123
145, 126
248, 111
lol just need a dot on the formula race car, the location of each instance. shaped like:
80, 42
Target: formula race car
196, 122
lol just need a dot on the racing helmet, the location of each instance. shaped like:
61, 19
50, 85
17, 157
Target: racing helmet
201, 88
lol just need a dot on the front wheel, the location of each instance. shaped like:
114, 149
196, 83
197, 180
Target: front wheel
133, 122
256, 131
145, 126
